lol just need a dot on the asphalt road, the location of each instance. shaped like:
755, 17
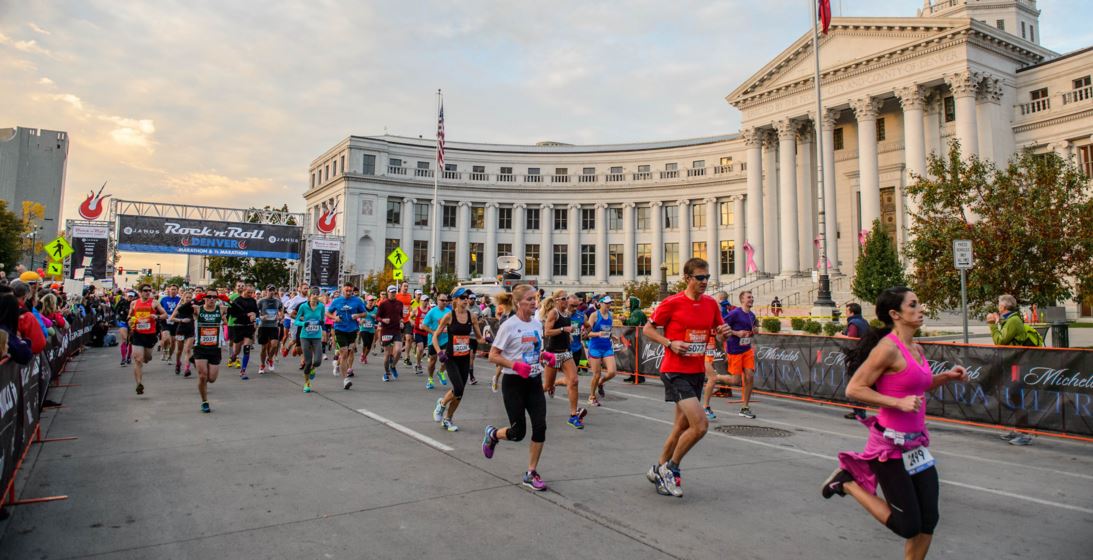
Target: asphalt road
275, 473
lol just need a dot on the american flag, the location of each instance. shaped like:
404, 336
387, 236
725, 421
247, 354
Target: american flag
440, 138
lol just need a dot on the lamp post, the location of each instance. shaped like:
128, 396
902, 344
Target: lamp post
159, 276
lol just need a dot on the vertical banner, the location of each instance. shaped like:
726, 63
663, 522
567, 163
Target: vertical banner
89, 257
325, 262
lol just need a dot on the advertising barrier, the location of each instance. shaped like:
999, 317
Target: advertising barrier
152, 234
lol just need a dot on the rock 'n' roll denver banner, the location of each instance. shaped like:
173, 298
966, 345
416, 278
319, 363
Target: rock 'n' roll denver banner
151, 234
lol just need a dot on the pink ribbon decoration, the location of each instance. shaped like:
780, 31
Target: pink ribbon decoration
749, 253
820, 259
862, 235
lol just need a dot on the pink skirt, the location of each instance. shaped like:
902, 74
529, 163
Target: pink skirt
877, 448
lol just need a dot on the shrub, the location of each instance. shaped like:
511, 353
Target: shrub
771, 324
797, 323
876, 324
830, 329
813, 327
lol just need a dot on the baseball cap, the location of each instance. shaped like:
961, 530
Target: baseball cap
606, 299
424, 297
30, 277
392, 288
369, 297
417, 292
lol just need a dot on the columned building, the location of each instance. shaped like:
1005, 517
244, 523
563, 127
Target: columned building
894, 91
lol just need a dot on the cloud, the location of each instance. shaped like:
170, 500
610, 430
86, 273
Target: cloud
45, 81
127, 132
34, 27
30, 47
214, 189
68, 98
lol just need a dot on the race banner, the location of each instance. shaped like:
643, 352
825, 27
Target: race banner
89, 257
151, 234
325, 262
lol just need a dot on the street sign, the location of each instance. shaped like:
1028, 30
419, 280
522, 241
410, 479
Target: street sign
397, 257
962, 253
397, 274
58, 249
54, 268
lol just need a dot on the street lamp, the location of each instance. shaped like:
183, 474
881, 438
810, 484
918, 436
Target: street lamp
159, 276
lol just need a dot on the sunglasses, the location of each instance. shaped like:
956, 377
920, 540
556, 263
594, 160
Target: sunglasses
701, 277
463, 296
444, 300
146, 291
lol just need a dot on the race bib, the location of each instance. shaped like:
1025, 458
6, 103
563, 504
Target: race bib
696, 342
917, 460
461, 345
745, 341
312, 327
387, 338
368, 324
532, 359
711, 348
144, 324
271, 314
208, 336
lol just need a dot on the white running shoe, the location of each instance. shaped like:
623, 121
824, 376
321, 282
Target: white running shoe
347, 383
438, 410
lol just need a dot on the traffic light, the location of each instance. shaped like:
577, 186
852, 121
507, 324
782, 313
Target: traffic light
121, 270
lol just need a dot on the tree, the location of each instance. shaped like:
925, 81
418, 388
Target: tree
878, 267
1030, 223
378, 281
11, 236
445, 281
646, 291
175, 281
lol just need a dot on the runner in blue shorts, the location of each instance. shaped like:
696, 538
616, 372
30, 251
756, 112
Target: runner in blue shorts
600, 351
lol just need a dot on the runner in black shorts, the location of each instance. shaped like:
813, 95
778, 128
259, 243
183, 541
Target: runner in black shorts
270, 312
245, 310
183, 320
209, 317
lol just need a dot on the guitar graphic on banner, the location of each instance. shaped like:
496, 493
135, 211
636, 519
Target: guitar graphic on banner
328, 220
91, 208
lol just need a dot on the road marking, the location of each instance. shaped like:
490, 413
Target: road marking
400, 428
832, 458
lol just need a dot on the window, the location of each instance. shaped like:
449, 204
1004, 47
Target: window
389, 245
671, 216
728, 257
394, 212
478, 217
614, 259
588, 171
335, 168
561, 171
312, 180
698, 249
837, 136
614, 219
671, 167
588, 260
531, 219
1023, 30
1038, 94
700, 163
476, 267
1000, 24
698, 215
726, 161
421, 214
561, 260
451, 167
561, 219
395, 162
645, 259
1031, 33
478, 169
423, 165
588, 219
949, 108
343, 165
728, 214
326, 172
504, 218
535, 170
648, 168
1082, 82
617, 170
1085, 160
643, 217
508, 170
671, 257
449, 218
531, 259
880, 129
504, 249
447, 256
421, 255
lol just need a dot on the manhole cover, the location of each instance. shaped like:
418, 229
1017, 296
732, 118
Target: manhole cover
752, 431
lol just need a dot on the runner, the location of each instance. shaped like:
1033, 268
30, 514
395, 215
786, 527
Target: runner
390, 317
407, 301
577, 318
121, 319
270, 311
233, 361
167, 328
345, 311
183, 319
891, 372
430, 324
245, 310
368, 327
518, 349
458, 327
689, 318
739, 350
555, 318
601, 353
142, 316
207, 353
309, 320
504, 311
476, 315
421, 336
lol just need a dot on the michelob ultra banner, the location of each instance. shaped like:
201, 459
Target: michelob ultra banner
151, 234
325, 262
89, 252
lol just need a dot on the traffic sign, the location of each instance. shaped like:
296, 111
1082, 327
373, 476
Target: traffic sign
54, 268
962, 253
58, 249
397, 274
397, 257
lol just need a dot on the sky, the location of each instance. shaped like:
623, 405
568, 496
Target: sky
218, 103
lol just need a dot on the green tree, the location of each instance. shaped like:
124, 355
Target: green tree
644, 290
174, 281
445, 281
11, 235
378, 281
1030, 223
878, 267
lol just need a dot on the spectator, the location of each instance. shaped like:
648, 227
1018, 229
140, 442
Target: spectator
636, 318
1011, 333
51, 313
723, 302
776, 307
29, 328
11, 345
856, 327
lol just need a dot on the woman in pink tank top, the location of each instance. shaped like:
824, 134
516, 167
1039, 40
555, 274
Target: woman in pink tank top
891, 372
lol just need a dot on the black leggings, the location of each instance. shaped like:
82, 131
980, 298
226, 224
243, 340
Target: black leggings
912, 498
524, 395
458, 369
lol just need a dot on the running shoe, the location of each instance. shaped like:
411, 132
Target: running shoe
336, 372
129, 361
582, 412
534, 482
1009, 436
347, 383
417, 369
709, 414
394, 373
746, 413
205, 407
407, 361
311, 375
673, 481
654, 476
270, 367
243, 376
438, 410
489, 442
386, 378
350, 374
429, 384
593, 401
443, 377
186, 373
575, 421
1023, 439
261, 370
122, 364
495, 384
307, 387
600, 391
448, 425
473, 381
178, 368
834, 483
140, 388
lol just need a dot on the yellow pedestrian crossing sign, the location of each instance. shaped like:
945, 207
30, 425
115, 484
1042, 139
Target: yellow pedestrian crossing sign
397, 258
397, 274
58, 249
54, 268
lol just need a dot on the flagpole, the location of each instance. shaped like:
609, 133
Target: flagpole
823, 292
436, 183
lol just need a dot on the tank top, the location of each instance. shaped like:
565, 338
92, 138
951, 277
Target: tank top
459, 336
602, 324
142, 312
559, 342
914, 379
186, 311
208, 328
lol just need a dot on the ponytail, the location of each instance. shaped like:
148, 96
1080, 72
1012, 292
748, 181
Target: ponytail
890, 299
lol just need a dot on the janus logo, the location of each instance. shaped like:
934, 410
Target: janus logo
91, 208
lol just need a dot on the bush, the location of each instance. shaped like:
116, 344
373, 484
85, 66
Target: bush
876, 324
770, 324
646, 291
830, 329
878, 268
797, 323
813, 327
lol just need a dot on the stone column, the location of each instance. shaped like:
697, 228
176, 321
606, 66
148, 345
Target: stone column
913, 100
489, 252
713, 252
381, 232
964, 86
771, 218
408, 233
754, 142
865, 110
518, 223
629, 246
831, 214
575, 243
934, 116
603, 258
787, 195
546, 243
683, 206
806, 196
739, 224
463, 246
995, 143
656, 212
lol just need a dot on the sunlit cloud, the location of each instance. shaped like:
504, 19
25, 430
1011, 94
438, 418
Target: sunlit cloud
35, 28
30, 47
45, 81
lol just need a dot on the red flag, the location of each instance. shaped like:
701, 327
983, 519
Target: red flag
825, 15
